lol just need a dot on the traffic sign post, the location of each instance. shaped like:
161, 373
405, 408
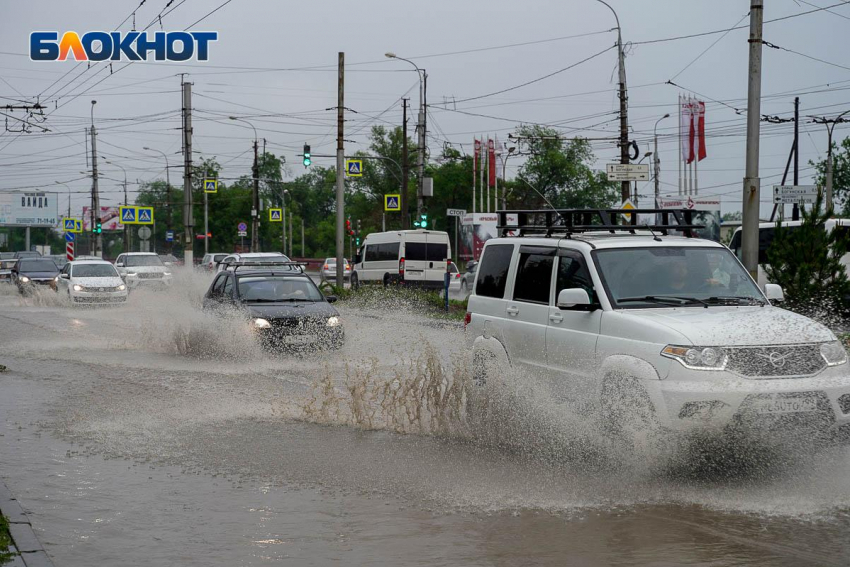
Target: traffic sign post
136, 215
242, 227
628, 205
455, 212
275, 215
169, 236
627, 171
210, 185
791, 194
392, 203
354, 167
69, 248
72, 225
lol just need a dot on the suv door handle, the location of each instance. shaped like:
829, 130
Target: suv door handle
556, 318
512, 310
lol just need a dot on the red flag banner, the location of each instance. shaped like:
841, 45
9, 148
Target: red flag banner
699, 126
491, 165
475, 155
687, 130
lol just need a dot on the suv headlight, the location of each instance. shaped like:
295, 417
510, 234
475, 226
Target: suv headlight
24, 279
333, 321
78, 287
261, 324
833, 353
697, 358
122, 287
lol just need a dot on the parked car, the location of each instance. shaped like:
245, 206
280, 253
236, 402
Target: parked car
139, 269
27, 254
28, 274
210, 261
6, 269
170, 260
766, 233
409, 257
328, 272
651, 333
92, 282
284, 307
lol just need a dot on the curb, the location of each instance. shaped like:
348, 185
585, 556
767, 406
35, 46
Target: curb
26, 544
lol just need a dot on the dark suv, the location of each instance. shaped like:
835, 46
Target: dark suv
283, 305
29, 273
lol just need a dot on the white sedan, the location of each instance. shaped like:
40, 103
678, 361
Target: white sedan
92, 282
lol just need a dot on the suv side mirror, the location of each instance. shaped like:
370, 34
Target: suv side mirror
65, 276
120, 265
774, 292
572, 298
330, 298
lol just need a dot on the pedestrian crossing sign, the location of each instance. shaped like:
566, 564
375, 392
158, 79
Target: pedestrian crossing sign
354, 167
128, 215
73, 226
145, 215
210, 185
392, 203
275, 215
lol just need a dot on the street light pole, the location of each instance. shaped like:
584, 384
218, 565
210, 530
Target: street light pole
255, 202
830, 126
126, 234
656, 160
69, 196
423, 77
168, 227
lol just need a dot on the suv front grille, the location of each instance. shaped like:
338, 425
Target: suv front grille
149, 275
782, 361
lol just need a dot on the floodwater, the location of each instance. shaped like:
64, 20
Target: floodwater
150, 434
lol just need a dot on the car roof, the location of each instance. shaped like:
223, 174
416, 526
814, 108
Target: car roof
601, 240
78, 262
270, 272
140, 254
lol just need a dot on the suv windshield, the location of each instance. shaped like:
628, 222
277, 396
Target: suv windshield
277, 288
142, 261
38, 266
94, 271
674, 276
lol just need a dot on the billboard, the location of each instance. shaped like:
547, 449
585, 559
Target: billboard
110, 218
29, 209
475, 230
706, 212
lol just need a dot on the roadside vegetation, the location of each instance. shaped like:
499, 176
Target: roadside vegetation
5, 541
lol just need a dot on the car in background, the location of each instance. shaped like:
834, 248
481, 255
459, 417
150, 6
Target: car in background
454, 278
170, 260
59, 259
284, 307
6, 269
25, 254
210, 261
251, 257
7, 255
139, 269
92, 282
328, 272
30, 274
468, 277
415, 258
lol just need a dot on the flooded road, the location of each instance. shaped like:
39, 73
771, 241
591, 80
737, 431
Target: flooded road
151, 434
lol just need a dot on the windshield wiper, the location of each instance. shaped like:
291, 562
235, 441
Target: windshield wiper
737, 299
666, 299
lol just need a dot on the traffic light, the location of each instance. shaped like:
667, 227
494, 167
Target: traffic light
422, 223
209, 235
348, 228
307, 160
98, 226
357, 241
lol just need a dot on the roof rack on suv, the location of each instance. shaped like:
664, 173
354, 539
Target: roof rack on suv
570, 221
271, 263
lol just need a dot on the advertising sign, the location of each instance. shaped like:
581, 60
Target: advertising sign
707, 213
110, 219
29, 209
476, 229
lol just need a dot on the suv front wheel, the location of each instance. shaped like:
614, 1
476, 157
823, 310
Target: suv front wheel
628, 414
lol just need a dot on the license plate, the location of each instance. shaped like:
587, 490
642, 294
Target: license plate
299, 339
784, 405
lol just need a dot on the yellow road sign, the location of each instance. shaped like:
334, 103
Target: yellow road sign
72, 225
354, 167
210, 185
275, 215
392, 203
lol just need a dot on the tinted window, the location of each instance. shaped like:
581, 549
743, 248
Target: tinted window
572, 273
534, 275
38, 266
219, 284
388, 252
94, 271
143, 261
416, 251
370, 254
219, 257
278, 288
494, 267
766, 236
437, 252
228, 287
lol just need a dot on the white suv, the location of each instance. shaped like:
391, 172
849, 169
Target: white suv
649, 330
139, 269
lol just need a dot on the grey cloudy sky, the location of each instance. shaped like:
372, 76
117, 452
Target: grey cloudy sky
279, 57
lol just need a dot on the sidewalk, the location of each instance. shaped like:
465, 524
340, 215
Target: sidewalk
26, 544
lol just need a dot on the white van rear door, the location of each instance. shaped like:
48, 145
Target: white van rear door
415, 256
438, 255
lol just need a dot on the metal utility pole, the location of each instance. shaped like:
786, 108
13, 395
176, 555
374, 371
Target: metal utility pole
255, 202
340, 173
750, 217
97, 241
283, 220
303, 253
206, 218
657, 160
168, 220
405, 166
624, 103
830, 126
795, 210
188, 216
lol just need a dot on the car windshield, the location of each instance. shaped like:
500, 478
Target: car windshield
277, 288
29, 255
38, 266
668, 276
94, 271
6, 255
219, 257
142, 261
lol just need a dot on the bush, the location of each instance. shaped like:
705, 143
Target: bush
806, 262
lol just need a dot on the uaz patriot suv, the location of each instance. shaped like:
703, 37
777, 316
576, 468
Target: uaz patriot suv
671, 328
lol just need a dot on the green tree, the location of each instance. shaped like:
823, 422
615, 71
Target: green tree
806, 262
561, 171
840, 175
